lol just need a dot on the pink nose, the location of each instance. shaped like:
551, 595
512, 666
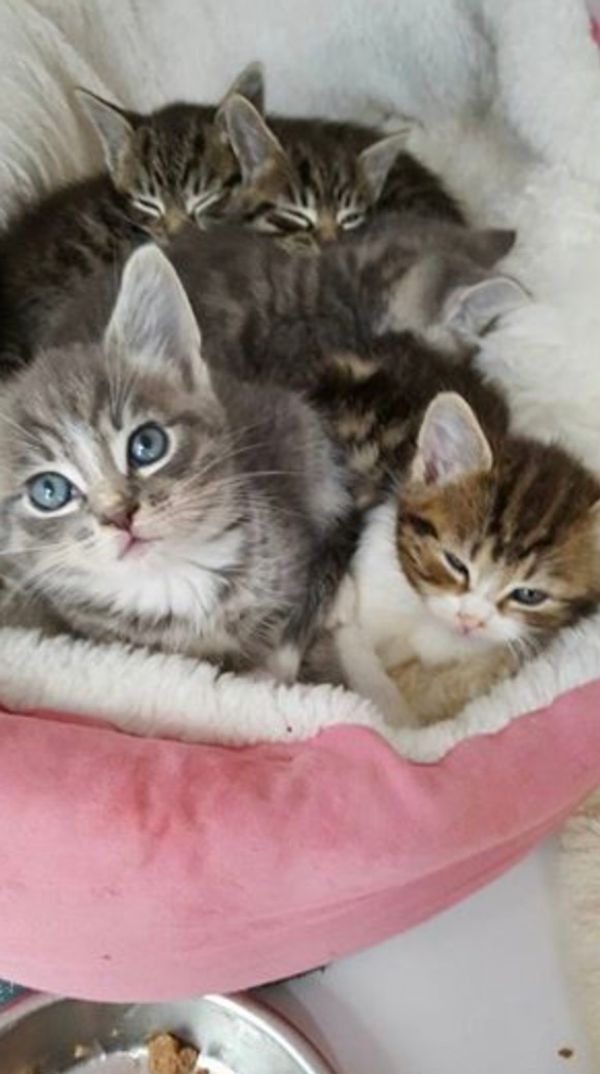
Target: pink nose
121, 520
469, 623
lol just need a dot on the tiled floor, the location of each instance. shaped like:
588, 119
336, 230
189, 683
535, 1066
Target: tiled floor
478, 990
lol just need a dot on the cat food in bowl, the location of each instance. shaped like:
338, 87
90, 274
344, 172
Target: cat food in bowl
211, 1035
168, 1055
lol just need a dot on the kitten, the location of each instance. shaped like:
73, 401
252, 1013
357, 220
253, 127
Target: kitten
162, 170
142, 502
486, 546
272, 314
310, 180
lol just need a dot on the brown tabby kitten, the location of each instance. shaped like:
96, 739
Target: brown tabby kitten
485, 546
310, 180
162, 170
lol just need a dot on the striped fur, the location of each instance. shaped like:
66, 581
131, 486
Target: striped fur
310, 180
214, 551
162, 169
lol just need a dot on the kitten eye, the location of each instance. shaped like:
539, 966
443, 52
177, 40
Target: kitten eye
422, 526
529, 597
289, 220
151, 208
50, 492
349, 219
457, 564
147, 445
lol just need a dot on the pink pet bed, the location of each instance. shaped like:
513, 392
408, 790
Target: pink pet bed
141, 869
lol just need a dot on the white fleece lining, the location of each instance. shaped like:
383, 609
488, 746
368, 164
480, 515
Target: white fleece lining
173, 696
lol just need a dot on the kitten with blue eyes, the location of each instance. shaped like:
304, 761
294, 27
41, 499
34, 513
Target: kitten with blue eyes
162, 170
310, 180
146, 501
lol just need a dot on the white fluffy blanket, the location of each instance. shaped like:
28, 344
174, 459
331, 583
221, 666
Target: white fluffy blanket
509, 95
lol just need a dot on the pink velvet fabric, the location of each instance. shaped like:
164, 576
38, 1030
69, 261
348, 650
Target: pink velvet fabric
133, 869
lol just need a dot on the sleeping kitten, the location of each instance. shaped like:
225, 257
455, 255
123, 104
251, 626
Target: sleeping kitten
485, 546
272, 314
162, 170
142, 502
310, 180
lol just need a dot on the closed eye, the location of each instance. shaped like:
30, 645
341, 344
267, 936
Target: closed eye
457, 565
422, 526
151, 208
290, 220
350, 218
202, 204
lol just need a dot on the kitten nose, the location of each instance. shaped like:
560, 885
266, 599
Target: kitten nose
174, 221
469, 623
121, 520
328, 233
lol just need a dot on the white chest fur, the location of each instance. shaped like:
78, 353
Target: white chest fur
390, 614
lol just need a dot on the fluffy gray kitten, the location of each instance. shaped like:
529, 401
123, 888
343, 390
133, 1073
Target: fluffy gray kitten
275, 315
144, 501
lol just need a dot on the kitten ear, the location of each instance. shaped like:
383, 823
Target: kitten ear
152, 320
488, 245
112, 125
376, 161
250, 84
259, 152
450, 444
472, 310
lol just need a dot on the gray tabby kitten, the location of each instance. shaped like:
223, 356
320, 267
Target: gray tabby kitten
162, 170
273, 314
144, 501
311, 180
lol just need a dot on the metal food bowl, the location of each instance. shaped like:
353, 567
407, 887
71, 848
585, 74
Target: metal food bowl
234, 1035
